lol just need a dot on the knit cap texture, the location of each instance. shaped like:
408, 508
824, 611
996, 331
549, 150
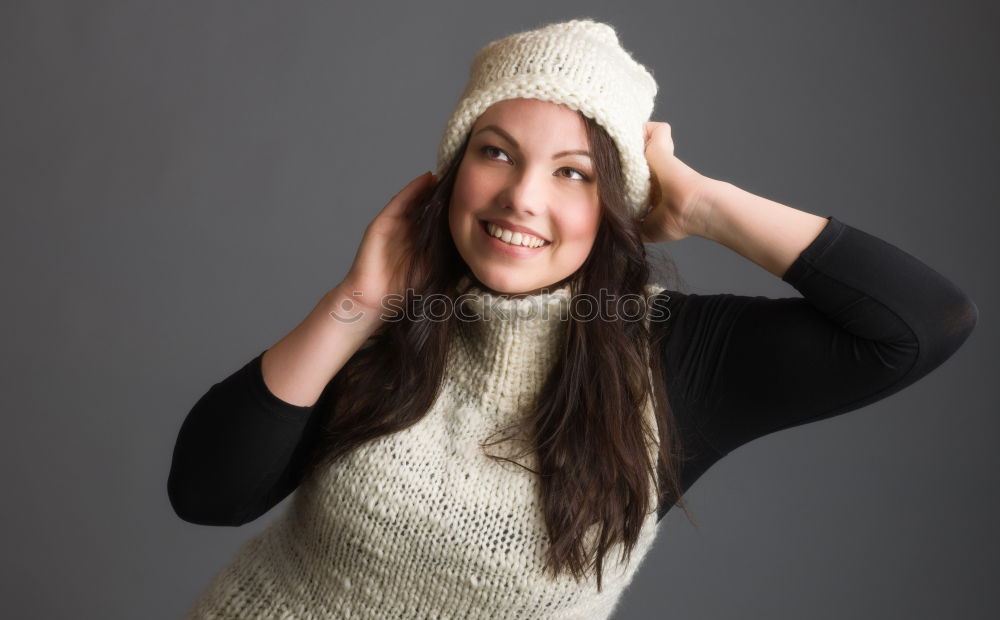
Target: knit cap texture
578, 63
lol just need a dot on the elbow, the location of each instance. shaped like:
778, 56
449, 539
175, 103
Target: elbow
970, 315
965, 320
943, 337
957, 325
198, 506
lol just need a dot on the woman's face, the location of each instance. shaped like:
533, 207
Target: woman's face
526, 169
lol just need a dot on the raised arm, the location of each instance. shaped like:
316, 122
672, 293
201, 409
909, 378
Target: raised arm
241, 448
872, 320
239, 451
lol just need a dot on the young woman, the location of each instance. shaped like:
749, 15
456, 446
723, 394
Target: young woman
508, 304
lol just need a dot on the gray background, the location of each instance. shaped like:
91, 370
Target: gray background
182, 181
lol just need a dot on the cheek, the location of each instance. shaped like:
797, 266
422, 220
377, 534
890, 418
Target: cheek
460, 210
458, 224
462, 199
476, 185
581, 229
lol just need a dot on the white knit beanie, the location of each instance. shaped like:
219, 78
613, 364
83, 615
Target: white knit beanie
578, 63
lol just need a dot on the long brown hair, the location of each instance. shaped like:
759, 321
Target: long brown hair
588, 431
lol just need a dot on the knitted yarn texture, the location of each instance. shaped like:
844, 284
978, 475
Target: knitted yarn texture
578, 63
421, 523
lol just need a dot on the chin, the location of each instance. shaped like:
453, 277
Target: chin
508, 285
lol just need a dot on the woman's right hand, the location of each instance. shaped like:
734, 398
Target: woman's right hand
380, 264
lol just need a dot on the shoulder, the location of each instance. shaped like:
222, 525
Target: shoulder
661, 302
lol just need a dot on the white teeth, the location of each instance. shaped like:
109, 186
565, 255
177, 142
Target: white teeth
513, 238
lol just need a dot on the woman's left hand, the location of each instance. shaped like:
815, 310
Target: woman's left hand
674, 195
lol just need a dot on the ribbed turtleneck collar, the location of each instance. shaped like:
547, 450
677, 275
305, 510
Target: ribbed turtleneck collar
509, 347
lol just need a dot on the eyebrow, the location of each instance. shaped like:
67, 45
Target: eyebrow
506, 136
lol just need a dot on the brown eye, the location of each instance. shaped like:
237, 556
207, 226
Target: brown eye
489, 149
583, 177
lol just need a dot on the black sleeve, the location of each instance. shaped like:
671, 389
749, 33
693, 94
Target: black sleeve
239, 451
872, 319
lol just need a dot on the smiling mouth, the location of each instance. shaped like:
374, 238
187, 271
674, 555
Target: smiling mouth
486, 228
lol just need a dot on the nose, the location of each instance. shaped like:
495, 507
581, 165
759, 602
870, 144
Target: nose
527, 193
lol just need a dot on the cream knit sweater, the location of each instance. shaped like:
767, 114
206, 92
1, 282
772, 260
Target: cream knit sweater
420, 523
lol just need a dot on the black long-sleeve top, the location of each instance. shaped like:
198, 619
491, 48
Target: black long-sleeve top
872, 319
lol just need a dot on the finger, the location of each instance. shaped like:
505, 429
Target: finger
416, 184
406, 195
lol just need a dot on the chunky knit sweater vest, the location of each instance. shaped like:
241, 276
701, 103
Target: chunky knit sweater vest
421, 523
